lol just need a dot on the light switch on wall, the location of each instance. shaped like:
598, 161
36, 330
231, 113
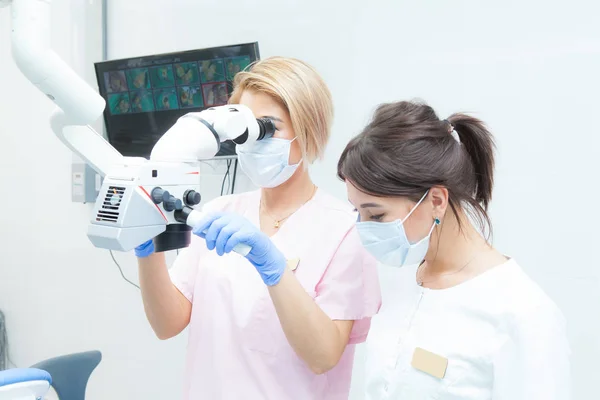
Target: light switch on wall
85, 182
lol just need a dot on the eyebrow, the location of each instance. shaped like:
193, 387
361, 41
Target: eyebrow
273, 118
370, 205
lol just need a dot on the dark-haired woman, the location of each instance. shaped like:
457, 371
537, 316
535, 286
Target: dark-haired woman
460, 320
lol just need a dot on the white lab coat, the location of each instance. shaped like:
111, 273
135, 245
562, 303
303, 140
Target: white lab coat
504, 339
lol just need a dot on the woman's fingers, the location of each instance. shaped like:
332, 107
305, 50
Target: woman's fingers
224, 236
205, 223
235, 239
214, 229
223, 231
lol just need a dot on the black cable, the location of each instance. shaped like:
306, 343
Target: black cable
235, 165
228, 177
225, 177
121, 270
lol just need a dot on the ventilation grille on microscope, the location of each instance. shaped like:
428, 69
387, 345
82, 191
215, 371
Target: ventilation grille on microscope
109, 212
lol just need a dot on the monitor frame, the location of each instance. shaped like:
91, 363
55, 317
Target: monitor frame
122, 130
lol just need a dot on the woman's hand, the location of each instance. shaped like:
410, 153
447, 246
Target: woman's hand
145, 249
223, 231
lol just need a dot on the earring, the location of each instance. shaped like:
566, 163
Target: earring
437, 221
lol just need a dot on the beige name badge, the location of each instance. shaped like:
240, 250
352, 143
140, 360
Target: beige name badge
429, 363
293, 263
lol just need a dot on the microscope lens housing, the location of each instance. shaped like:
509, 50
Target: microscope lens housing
267, 128
176, 236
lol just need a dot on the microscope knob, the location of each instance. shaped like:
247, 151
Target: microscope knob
191, 197
157, 195
172, 203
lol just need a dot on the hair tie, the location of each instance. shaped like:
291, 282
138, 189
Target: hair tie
453, 132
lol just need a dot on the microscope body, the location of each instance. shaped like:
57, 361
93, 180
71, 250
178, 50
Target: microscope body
152, 199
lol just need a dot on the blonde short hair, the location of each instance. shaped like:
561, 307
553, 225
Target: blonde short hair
301, 91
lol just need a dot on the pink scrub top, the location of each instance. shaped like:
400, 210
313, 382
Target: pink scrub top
236, 346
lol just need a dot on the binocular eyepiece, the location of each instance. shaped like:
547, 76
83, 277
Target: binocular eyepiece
266, 127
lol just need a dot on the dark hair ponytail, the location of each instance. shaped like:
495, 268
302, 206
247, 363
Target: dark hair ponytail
406, 150
479, 144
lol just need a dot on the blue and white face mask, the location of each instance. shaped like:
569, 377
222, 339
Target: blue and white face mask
266, 162
388, 243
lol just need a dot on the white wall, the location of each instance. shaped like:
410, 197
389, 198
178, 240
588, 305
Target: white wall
527, 68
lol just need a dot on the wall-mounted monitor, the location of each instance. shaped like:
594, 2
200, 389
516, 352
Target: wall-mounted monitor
146, 95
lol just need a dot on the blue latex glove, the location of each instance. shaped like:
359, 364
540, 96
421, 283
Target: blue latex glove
225, 230
145, 249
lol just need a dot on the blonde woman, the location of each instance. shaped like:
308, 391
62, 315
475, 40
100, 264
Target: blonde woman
282, 322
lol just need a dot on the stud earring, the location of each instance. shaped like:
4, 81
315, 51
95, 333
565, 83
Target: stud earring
437, 221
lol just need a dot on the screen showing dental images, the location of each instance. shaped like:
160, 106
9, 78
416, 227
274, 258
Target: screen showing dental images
235, 65
162, 76
115, 81
190, 96
142, 101
215, 94
187, 73
212, 71
166, 99
138, 79
195, 84
146, 95
119, 103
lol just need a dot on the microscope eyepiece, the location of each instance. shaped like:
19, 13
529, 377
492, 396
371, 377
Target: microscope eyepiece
266, 127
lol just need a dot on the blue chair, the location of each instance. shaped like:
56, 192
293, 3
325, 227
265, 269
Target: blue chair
24, 384
68, 375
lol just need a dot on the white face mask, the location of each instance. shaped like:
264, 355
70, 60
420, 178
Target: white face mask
388, 243
266, 162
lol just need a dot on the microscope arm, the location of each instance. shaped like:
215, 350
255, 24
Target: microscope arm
78, 104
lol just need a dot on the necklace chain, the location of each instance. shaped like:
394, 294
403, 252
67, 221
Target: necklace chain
420, 282
277, 221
